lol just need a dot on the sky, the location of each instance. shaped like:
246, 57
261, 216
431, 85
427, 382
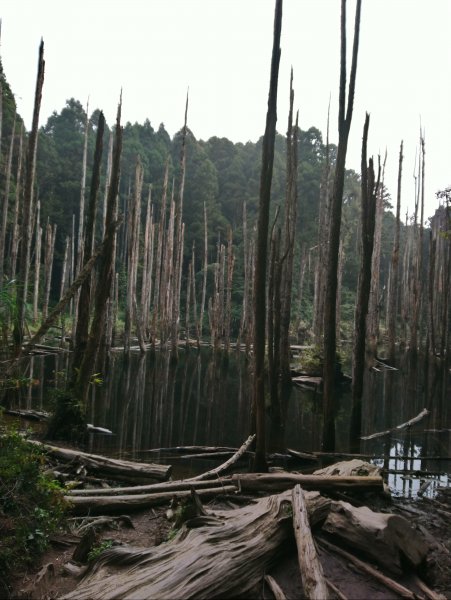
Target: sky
154, 50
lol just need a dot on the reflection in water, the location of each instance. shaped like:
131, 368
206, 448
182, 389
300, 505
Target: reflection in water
150, 402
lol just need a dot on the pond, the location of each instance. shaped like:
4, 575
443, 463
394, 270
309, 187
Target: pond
149, 402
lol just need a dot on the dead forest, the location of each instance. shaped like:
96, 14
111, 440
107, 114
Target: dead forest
117, 240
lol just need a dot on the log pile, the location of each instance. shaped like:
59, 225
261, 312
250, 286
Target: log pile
226, 553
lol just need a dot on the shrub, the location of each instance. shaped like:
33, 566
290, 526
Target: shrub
31, 504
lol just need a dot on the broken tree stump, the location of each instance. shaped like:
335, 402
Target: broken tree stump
387, 539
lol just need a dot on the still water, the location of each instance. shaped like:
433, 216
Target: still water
148, 402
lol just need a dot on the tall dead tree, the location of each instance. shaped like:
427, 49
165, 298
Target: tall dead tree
336, 201
15, 225
392, 294
369, 187
258, 398
5, 192
105, 272
84, 304
27, 204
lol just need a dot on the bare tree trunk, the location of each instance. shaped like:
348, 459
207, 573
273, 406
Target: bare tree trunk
344, 125
8, 169
375, 300
15, 227
368, 215
146, 279
392, 293
228, 290
50, 236
258, 399
24, 262
64, 269
106, 273
159, 269
417, 266
81, 331
37, 262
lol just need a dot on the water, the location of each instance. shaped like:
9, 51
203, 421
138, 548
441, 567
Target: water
149, 402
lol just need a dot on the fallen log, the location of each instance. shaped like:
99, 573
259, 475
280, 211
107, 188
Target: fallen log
105, 505
313, 581
32, 415
206, 562
409, 423
387, 539
275, 588
167, 486
112, 468
366, 568
226, 465
350, 468
277, 482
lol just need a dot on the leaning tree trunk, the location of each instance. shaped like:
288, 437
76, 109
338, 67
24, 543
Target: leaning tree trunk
368, 215
258, 399
24, 262
336, 201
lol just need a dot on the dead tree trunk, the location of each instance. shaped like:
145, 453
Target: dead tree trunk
369, 188
258, 398
392, 294
8, 168
15, 226
27, 204
49, 249
336, 200
37, 261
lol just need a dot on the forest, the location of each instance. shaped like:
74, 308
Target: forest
139, 273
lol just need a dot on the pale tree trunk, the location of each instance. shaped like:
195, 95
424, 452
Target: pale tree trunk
417, 266
375, 300
49, 249
15, 227
37, 261
392, 293
6, 201
228, 290
159, 268
205, 270
258, 397
336, 200
368, 216
27, 204
106, 273
178, 245
63, 285
146, 280
244, 309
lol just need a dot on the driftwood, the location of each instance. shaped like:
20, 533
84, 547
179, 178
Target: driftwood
112, 468
277, 482
387, 539
223, 560
366, 568
225, 466
275, 588
110, 505
409, 423
350, 468
313, 581
167, 486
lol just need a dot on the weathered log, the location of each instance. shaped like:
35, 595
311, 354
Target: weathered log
313, 581
409, 423
109, 505
167, 486
366, 568
350, 468
206, 562
275, 588
387, 539
112, 468
277, 482
225, 466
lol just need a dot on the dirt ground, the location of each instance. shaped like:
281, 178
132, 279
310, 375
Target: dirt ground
50, 579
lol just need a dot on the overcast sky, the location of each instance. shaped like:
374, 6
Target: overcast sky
220, 49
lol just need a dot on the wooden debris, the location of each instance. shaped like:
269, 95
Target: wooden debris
313, 582
275, 588
112, 468
387, 581
387, 539
110, 505
277, 482
409, 423
206, 562
225, 466
350, 468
